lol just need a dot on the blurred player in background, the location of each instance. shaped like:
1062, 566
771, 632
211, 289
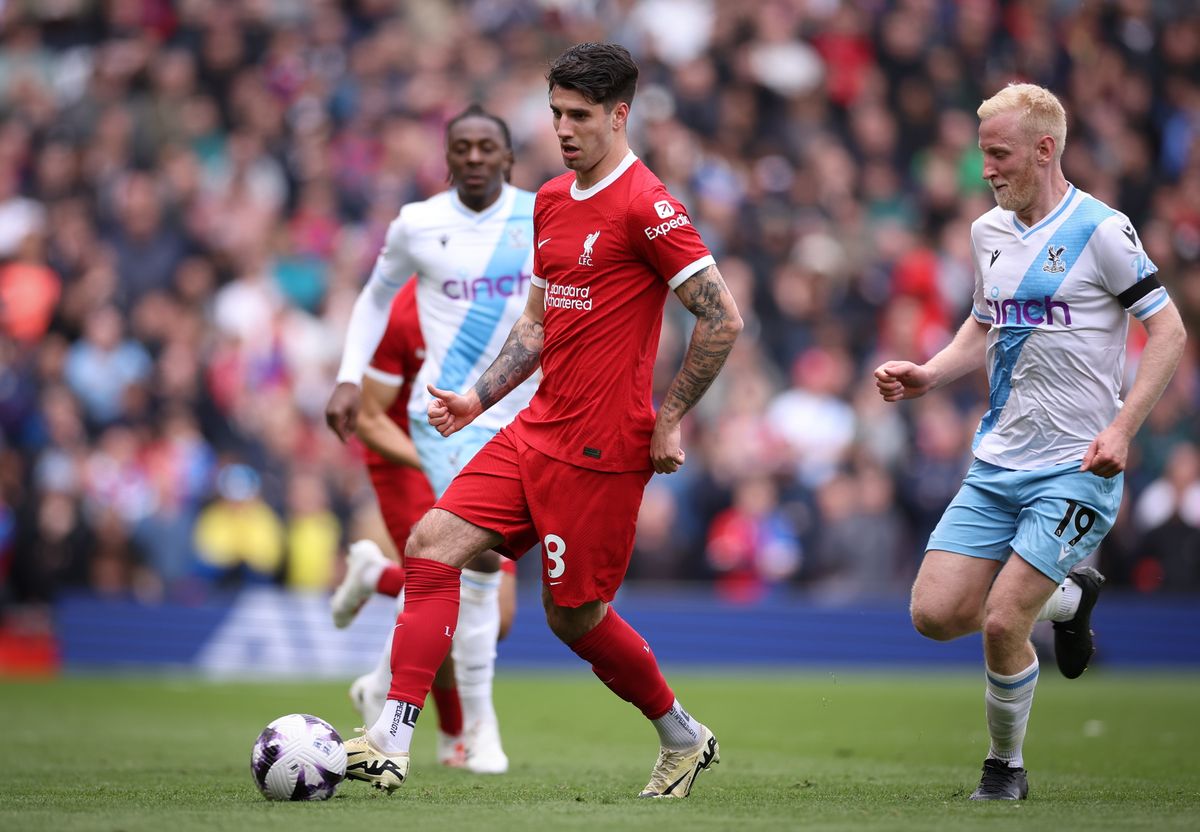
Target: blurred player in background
1057, 273
404, 495
471, 250
570, 471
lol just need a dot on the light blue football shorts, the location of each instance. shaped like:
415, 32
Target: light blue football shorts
442, 457
1053, 517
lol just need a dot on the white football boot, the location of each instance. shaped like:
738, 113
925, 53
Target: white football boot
675, 771
484, 752
364, 563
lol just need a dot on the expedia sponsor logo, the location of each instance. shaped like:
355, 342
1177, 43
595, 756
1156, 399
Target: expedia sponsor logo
677, 221
566, 296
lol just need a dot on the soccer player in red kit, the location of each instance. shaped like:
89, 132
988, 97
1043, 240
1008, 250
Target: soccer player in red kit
404, 495
570, 470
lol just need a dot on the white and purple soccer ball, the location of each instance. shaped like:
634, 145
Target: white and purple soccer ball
298, 757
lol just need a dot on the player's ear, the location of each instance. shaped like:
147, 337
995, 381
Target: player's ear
1045, 149
620, 115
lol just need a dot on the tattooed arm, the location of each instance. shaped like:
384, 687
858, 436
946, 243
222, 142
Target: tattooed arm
450, 412
717, 326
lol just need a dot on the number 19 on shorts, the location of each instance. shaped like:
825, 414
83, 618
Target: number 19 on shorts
554, 547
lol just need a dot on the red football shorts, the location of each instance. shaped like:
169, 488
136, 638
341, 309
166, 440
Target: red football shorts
404, 496
585, 520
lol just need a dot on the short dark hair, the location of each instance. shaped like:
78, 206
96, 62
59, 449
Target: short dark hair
604, 73
476, 111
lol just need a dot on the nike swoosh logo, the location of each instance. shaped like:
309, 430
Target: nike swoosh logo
995, 255
671, 787
555, 583
543, 242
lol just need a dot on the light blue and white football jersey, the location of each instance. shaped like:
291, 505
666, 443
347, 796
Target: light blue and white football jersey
1057, 296
473, 273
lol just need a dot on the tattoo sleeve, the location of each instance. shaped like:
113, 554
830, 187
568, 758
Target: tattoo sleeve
517, 360
717, 326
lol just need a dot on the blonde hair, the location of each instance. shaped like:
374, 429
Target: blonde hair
1042, 114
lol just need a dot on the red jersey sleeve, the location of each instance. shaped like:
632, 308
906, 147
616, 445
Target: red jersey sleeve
397, 357
661, 232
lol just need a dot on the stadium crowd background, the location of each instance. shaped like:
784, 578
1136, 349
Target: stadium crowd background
192, 193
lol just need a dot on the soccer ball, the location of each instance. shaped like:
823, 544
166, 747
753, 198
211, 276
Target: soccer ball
298, 757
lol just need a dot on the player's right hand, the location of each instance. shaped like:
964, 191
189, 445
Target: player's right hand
450, 412
897, 380
341, 414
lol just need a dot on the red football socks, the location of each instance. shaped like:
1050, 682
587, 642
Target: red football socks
449, 708
391, 581
621, 659
424, 630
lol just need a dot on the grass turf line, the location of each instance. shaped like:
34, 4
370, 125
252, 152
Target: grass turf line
837, 751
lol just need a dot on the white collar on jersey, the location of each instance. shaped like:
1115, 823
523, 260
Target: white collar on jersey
584, 193
1055, 212
505, 198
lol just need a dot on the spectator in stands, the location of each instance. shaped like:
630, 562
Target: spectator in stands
239, 538
104, 366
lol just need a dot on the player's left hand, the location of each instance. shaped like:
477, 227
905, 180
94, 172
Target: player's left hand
1107, 454
665, 452
450, 412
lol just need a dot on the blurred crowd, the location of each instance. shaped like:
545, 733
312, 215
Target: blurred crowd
192, 193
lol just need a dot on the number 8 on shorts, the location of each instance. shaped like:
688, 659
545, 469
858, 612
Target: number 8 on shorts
554, 547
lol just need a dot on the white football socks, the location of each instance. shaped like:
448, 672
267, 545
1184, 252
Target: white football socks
1008, 701
1062, 604
677, 729
474, 646
392, 732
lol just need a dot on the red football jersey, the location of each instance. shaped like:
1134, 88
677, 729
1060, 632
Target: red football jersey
398, 358
606, 256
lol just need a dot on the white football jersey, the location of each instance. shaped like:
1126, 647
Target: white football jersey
1057, 296
473, 273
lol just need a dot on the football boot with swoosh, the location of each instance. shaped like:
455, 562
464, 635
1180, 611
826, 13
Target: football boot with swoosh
367, 763
675, 771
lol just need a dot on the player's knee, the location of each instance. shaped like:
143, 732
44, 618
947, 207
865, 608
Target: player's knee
937, 624
929, 626
421, 541
1001, 627
570, 624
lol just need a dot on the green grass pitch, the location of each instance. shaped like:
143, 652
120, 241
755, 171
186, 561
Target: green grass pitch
851, 751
